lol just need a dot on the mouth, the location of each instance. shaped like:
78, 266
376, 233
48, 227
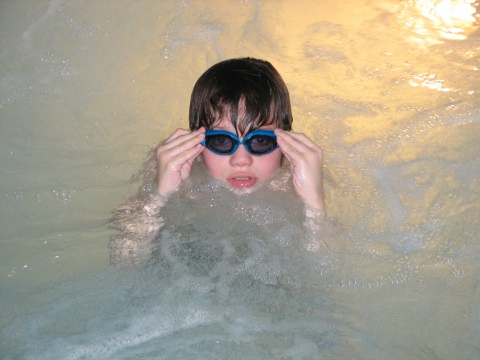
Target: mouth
242, 182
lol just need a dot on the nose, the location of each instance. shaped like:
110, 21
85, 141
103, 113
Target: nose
241, 157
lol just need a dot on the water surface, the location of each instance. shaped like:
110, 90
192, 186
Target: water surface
389, 89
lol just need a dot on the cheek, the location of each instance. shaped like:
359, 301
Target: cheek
271, 164
213, 163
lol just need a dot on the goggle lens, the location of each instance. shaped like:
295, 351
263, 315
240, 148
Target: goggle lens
258, 142
221, 144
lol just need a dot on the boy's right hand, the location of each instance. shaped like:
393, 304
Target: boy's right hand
175, 157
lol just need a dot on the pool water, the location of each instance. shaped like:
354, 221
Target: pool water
389, 89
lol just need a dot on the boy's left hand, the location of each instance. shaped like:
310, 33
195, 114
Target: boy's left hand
306, 162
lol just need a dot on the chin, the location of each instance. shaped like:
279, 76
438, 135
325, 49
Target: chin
243, 190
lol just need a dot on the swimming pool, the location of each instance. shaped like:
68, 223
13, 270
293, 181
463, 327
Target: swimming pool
389, 89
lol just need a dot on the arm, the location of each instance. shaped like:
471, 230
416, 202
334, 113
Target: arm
175, 157
138, 220
306, 162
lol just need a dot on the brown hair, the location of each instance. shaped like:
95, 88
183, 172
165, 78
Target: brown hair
229, 85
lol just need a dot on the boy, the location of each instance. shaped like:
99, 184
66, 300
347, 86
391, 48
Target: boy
240, 121
241, 96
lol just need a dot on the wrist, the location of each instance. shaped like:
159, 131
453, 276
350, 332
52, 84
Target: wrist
316, 206
163, 189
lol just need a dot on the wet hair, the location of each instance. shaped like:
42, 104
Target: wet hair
247, 91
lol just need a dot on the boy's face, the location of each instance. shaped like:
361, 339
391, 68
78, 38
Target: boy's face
241, 170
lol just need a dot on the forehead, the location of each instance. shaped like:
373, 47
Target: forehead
226, 124
239, 113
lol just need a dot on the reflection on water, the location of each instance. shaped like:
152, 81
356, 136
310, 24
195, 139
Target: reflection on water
453, 20
388, 89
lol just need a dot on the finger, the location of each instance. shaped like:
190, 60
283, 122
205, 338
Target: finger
176, 158
299, 141
177, 133
299, 149
180, 136
180, 144
291, 147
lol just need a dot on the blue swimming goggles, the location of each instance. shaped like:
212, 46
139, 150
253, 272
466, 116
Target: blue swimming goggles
257, 142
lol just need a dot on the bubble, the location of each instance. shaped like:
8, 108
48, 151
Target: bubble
64, 194
459, 272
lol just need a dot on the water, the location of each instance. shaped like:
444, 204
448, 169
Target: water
389, 89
